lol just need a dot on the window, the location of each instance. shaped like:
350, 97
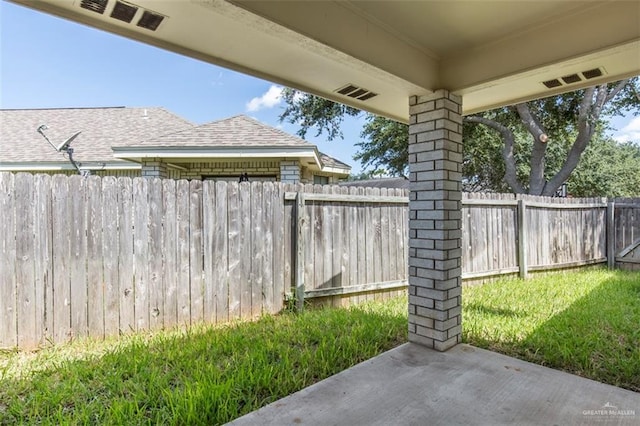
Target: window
322, 180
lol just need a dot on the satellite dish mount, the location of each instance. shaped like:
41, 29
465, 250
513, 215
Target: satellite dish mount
64, 147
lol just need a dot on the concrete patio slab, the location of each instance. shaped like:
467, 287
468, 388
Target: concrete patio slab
414, 385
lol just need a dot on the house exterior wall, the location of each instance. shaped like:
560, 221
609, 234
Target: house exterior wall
227, 168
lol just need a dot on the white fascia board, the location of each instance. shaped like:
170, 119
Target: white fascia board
140, 153
53, 166
336, 170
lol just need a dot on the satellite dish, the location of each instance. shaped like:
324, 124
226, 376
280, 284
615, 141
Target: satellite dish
63, 146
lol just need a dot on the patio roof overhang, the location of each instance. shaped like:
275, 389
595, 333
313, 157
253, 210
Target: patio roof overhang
492, 53
307, 156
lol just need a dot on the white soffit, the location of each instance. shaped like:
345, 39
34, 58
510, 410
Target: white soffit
491, 52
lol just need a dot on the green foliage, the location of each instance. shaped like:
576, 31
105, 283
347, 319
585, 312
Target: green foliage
309, 111
607, 168
385, 145
385, 142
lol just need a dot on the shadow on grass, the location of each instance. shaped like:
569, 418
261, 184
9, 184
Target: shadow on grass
204, 376
598, 336
587, 323
498, 312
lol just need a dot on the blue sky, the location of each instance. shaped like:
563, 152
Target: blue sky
48, 62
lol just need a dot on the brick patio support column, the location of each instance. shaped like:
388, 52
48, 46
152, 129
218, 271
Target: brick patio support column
435, 167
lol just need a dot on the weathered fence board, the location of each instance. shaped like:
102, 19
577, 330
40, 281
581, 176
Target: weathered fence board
102, 256
126, 282
155, 259
110, 255
61, 259
220, 253
195, 251
95, 258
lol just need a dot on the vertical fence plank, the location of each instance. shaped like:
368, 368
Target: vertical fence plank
111, 254
345, 236
184, 280
278, 244
244, 192
209, 279
170, 245
78, 263
288, 239
126, 283
8, 325
155, 249
326, 241
303, 241
522, 238
235, 250
257, 249
336, 240
42, 257
24, 267
268, 292
61, 249
611, 235
195, 256
220, 253
95, 271
141, 252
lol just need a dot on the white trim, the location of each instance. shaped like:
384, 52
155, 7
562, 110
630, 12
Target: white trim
55, 166
203, 154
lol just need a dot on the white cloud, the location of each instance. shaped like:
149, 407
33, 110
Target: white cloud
630, 132
268, 100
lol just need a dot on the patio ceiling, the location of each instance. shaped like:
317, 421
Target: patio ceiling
492, 53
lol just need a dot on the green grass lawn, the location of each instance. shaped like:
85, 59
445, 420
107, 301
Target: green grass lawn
205, 376
586, 323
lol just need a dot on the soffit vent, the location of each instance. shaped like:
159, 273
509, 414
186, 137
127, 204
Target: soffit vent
124, 12
150, 20
552, 83
574, 78
596, 72
356, 92
97, 6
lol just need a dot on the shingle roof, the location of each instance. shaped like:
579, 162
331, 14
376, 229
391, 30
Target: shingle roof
237, 131
333, 162
394, 182
101, 129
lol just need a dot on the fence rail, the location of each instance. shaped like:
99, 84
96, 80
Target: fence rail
101, 256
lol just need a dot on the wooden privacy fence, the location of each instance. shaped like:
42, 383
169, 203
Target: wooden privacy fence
101, 256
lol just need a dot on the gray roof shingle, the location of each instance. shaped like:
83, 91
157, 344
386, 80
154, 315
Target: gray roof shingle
101, 129
237, 131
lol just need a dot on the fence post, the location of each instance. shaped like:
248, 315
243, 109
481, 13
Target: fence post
611, 235
300, 252
522, 239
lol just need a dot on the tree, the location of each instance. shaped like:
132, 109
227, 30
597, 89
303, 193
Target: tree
529, 147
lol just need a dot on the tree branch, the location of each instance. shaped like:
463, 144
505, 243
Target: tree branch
531, 123
586, 125
614, 92
508, 137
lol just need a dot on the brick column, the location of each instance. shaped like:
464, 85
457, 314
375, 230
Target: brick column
154, 168
289, 171
435, 173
